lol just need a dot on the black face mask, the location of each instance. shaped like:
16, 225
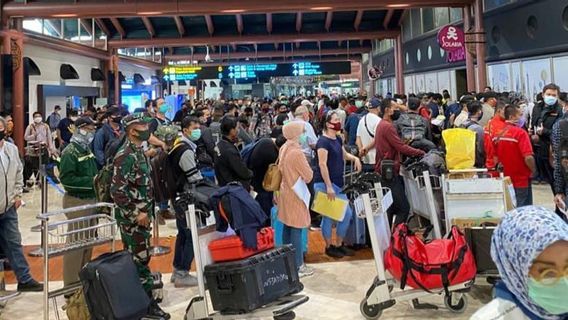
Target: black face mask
117, 120
395, 115
2, 135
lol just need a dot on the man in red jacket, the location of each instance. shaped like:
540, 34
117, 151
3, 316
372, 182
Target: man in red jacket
493, 129
389, 146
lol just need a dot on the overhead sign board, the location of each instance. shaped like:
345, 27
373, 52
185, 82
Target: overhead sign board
252, 71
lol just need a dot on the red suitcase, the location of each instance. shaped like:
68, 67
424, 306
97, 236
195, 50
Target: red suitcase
232, 248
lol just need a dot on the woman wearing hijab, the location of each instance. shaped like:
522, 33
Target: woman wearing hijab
294, 214
530, 248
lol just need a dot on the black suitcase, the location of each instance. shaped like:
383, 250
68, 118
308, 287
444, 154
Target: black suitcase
479, 240
245, 285
112, 288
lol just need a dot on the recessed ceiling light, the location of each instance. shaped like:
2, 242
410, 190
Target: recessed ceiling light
233, 11
64, 15
321, 8
398, 5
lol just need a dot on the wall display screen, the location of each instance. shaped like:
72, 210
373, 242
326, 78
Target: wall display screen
251, 71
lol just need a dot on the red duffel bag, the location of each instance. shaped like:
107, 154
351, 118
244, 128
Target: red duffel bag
439, 263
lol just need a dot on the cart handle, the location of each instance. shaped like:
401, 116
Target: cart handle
47, 215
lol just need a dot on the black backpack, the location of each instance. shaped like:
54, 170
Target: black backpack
167, 176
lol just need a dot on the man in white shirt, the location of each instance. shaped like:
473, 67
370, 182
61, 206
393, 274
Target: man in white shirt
366, 135
309, 142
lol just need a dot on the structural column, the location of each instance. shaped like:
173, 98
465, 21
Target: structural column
469, 65
18, 97
399, 64
480, 46
117, 87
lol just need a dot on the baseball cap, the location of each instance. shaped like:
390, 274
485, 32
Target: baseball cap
306, 103
83, 121
136, 118
374, 103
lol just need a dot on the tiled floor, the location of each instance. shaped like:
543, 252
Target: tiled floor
335, 290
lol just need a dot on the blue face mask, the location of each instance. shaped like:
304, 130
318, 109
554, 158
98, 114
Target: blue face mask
358, 103
164, 108
303, 139
550, 100
551, 298
195, 134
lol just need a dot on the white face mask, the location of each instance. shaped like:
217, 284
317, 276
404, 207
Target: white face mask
73, 119
37, 119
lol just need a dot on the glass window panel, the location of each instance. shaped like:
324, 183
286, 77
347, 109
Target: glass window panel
456, 14
415, 15
427, 19
441, 17
407, 28
492, 4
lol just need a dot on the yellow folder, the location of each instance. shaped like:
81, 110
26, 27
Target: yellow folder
332, 209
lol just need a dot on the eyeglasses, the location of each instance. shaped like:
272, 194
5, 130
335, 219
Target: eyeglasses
551, 276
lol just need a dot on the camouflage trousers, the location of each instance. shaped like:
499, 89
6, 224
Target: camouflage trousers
136, 240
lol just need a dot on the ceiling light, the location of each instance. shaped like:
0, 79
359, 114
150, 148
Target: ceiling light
64, 15
398, 5
150, 13
233, 11
321, 8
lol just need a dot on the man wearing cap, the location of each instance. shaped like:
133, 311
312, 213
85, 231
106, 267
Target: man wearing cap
109, 132
77, 171
131, 189
366, 135
489, 105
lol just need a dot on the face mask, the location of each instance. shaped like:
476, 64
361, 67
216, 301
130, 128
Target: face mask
164, 108
336, 126
37, 119
395, 115
358, 103
551, 298
143, 135
73, 119
2, 135
117, 120
195, 135
303, 139
550, 100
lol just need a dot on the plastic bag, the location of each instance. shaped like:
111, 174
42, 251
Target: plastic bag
460, 148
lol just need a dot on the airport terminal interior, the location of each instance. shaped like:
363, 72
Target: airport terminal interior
221, 159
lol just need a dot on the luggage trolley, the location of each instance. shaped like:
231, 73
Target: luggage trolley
198, 308
61, 235
380, 296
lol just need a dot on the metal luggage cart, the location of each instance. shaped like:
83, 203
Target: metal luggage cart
199, 308
61, 235
424, 194
380, 296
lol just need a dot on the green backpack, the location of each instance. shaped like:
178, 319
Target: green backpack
103, 179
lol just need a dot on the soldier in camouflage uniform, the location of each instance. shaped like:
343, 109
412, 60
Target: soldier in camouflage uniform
131, 190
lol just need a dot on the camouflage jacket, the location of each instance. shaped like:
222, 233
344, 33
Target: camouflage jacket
131, 186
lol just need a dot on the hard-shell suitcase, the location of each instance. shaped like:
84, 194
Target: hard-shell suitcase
278, 227
356, 236
242, 286
232, 247
112, 288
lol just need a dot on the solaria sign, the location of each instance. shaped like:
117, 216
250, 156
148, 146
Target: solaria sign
452, 40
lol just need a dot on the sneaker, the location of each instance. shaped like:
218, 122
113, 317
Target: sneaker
315, 228
161, 220
185, 281
346, 251
174, 277
167, 214
30, 286
155, 312
305, 271
334, 252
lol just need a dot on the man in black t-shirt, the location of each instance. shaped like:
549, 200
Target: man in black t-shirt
66, 128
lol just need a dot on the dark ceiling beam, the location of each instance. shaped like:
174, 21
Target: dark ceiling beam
240, 27
269, 23
133, 8
388, 18
328, 20
299, 22
402, 16
358, 19
87, 25
149, 26
180, 26
118, 27
103, 26
210, 26
276, 54
252, 39
355, 57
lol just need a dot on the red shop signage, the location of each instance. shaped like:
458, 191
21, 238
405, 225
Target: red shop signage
451, 38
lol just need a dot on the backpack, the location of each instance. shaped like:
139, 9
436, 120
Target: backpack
103, 179
246, 153
167, 177
412, 127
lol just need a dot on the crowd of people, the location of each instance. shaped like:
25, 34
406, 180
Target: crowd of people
309, 138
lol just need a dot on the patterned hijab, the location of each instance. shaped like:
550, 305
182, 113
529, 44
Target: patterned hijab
518, 240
